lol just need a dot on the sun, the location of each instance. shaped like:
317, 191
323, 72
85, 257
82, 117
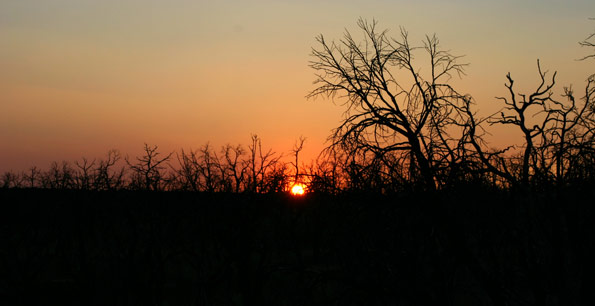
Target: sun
297, 190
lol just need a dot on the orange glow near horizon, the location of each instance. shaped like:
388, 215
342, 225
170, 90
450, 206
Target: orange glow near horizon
79, 78
298, 190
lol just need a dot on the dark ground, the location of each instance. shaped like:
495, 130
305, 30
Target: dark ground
471, 247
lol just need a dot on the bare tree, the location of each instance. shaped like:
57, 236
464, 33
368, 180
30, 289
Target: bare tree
32, 176
275, 179
297, 148
557, 134
517, 112
84, 175
188, 173
570, 137
106, 177
326, 172
234, 165
147, 171
11, 180
59, 176
209, 168
394, 104
259, 163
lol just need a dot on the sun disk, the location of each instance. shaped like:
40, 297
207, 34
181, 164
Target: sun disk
297, 190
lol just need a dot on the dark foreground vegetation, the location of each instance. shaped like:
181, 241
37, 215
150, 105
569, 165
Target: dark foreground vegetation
409, 205
471, 246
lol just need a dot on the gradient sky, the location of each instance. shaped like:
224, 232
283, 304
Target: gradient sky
80, 77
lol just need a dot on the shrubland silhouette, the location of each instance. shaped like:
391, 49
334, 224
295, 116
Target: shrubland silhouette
405, 207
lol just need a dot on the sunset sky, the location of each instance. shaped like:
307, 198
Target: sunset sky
80, 77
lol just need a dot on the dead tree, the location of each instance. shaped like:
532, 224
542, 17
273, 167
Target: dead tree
106, 177
297, 148
518, 111
326, 172
32, 177
84, 174
235, 166
188, 174
492, 163
147, 171
391, 105
11, 180
557, 134
59, 176
571, 135
209, 168
258, 164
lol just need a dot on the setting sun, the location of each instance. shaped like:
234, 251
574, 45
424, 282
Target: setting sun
297, 190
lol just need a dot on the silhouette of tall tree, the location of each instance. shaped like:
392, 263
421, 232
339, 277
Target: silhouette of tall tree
393, 103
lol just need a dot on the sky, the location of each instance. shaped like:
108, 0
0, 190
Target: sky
81, 77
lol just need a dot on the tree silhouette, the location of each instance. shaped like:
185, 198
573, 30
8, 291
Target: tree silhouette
559, 136
393, 103
209, 168
517, 113
297, 148
259, 164
105, 176
32, 177
234, 165
84, 177
147, 171
59, 176
10, 179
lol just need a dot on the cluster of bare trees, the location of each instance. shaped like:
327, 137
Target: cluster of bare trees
405, 123
405, 126
231, 169
558, 135
102, 174
234, 169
